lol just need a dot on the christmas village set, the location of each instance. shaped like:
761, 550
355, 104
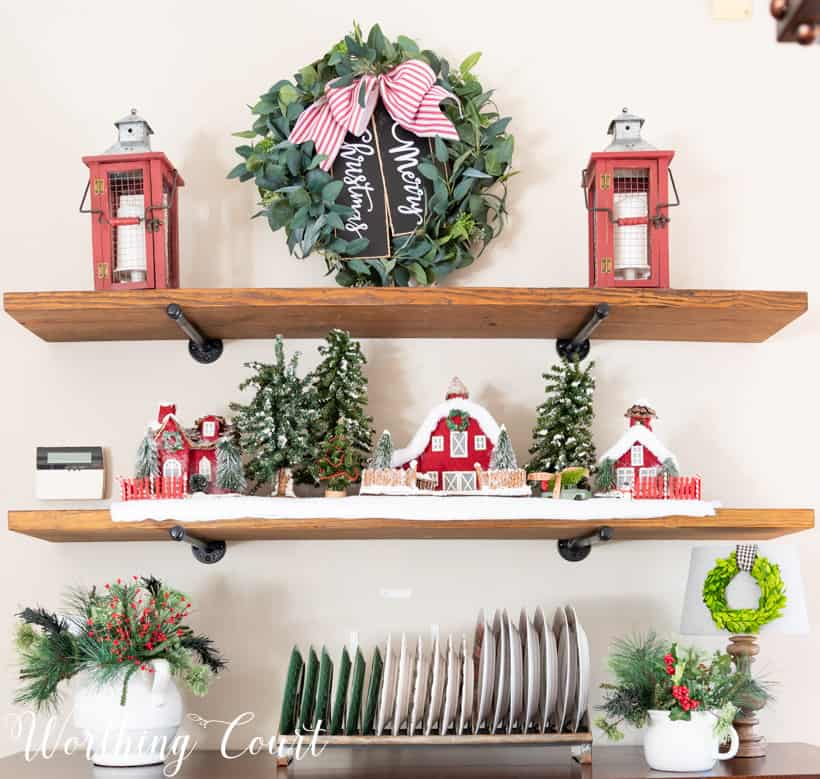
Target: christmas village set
314, 430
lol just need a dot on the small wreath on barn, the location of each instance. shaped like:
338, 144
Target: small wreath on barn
382, 159
458, 420
772, 595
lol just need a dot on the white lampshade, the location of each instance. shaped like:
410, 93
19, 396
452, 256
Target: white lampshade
743, 591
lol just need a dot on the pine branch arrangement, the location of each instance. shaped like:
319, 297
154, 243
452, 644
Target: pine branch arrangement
653, 675
562, 436
112, 635
275, 427
340, 387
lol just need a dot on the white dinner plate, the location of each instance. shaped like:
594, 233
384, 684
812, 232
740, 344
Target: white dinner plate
484, 663
405, 679
387, 695
437, 673
532, 672
501, 694
465, 706
516, 676
583, 666
560, 628
451, 688
421, 684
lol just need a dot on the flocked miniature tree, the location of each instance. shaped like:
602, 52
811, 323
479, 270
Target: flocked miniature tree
341, 396
147, 457
383, 453
503, 456
230, 474
562, 436
275, 427
338, 463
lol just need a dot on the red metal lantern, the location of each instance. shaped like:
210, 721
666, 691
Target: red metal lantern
627, 197
135, 215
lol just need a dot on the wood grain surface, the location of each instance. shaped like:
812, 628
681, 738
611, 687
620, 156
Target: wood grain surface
454, 312
96, 525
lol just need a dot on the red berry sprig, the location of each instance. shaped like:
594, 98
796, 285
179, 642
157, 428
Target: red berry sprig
680, 692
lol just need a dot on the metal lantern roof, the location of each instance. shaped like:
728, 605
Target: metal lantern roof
625, 130
134, 117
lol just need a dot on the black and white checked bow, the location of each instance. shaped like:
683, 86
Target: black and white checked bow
746, 556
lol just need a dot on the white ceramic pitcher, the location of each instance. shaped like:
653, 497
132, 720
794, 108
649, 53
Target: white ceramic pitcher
684, 745
138, 733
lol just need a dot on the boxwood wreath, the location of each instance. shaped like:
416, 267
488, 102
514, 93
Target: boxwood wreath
772, 595
469, 202
458, 420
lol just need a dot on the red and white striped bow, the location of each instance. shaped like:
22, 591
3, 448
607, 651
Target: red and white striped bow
409, 94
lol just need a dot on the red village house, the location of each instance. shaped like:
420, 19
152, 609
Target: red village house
455, 437
183, 452
639, 454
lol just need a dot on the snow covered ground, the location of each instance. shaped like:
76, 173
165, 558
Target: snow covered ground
204, 508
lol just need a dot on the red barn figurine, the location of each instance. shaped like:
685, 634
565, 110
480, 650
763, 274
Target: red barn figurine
135, 214
639, 465
183, 452
627, 196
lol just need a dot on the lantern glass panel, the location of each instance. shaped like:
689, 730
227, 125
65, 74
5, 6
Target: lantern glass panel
127, 201
630, 205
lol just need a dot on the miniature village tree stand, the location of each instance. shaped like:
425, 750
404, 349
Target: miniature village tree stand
627, 196
134, 212
451, 453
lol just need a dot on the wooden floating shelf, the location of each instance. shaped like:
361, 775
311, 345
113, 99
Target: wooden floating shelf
453, 312
96, 525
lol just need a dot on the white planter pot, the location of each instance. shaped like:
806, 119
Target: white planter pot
139, 733
680, 745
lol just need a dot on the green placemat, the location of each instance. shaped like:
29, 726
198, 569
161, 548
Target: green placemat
305, 722
375, 683
340, 697
287, 719
354, 707
321, 714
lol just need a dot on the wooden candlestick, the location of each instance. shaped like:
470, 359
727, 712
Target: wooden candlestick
743, 649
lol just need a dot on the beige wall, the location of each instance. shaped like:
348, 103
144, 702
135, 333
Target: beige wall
739, 110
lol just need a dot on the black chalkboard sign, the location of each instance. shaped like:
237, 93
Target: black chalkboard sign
407, 190
357, 166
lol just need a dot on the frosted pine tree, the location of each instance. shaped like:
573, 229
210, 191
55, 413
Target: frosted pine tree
147, 457
230, 474
562, 436
503, 456
383, 453
341, 396
275, 427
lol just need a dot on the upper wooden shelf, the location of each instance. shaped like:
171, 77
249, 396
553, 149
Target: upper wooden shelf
452, 312
96, 525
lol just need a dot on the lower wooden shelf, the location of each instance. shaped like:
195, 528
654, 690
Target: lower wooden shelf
96, 525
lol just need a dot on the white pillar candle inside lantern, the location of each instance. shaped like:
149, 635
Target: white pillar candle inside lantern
131, 262
630, 201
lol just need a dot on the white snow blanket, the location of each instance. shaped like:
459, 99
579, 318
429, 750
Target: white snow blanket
204, 508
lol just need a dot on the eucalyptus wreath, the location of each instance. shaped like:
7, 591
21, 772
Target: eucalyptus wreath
772, 595
463, 215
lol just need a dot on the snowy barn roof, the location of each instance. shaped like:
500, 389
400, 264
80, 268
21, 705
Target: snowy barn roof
642, 435
419, 442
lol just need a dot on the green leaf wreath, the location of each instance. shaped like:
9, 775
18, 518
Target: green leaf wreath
112, 634
469, 202
772, 595
458, 420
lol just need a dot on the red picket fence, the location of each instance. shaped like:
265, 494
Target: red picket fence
668, 487
153, 488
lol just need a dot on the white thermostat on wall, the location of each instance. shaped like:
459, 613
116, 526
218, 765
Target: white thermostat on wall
70, 473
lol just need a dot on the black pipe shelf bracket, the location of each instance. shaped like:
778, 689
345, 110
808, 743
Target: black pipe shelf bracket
203, 349
208, 552
575, 549
578, 346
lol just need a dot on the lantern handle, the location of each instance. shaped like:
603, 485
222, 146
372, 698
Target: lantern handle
661, 220
83, 210
171, 197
